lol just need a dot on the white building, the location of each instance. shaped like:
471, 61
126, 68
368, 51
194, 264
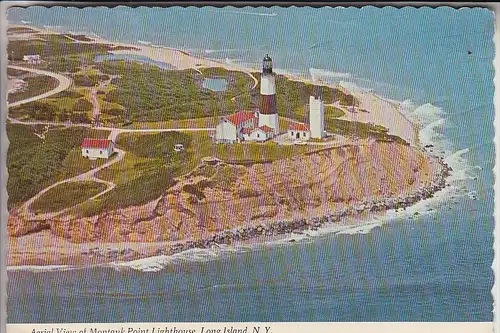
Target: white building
259, 125
316, 127
242, 126
299, 131
97, 148
32, 58
316, 115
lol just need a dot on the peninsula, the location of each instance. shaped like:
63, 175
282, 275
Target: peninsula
167, 180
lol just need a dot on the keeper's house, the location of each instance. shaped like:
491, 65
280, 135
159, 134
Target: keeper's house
97, 148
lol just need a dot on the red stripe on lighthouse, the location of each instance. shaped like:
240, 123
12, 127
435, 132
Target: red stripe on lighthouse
268, 104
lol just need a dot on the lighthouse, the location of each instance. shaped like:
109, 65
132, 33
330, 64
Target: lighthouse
268, 115
316, 114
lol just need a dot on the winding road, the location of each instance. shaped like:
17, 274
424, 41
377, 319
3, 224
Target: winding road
87, 176
64, 83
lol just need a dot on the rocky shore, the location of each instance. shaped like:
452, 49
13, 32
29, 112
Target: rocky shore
298, 226
99, 250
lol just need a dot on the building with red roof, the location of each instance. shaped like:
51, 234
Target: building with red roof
299, 131
241, 118
97, 148
242, 126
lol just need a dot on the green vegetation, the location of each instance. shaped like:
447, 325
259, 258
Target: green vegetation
68, 93
333, 112
89, 80
66, 195
293, 97
148, 169
34, 163
159, 145
15, 72
81, 38
59, 53
35, 85
151, 164
50, 110
82, 105
252, 152
155, 94
360, 130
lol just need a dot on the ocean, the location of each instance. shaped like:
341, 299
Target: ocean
432, 267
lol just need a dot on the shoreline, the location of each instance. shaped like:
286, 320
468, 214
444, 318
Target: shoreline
102, 253
86, 255
382, 111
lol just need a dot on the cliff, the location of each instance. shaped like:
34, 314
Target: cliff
216, 197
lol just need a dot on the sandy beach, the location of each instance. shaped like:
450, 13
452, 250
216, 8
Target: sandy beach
44, 248
381, 112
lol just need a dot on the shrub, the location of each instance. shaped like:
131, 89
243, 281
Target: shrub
113, 112
82, 105
35, 110
68, 93
80, 118
86, 80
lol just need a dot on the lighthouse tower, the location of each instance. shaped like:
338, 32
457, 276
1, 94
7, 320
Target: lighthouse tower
316, 114
268, 114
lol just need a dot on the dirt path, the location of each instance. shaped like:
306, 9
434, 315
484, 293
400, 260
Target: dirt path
87, 176
96, 109
64, 83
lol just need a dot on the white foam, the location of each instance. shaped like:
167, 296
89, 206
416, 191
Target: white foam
427, 113
322, 73
353, 87
224, 51
158, 263
33, 268
362, 229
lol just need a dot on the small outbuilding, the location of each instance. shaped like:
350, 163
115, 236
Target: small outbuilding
97, 148
299, 131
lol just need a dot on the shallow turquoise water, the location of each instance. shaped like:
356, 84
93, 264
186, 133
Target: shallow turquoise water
433, 268
215, 84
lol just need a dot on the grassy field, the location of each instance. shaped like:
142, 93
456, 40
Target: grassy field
333, 112
154, 94
34, 163
360, 130
50, 109
66, 195
35, 85
293, 97
150, 165
253, 152
207, 122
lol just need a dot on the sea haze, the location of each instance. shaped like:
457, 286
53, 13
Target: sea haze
434, 267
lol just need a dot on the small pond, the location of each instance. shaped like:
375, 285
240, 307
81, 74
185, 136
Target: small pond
215, 84
132, 57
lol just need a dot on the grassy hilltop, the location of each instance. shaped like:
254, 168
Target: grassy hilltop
149, 97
